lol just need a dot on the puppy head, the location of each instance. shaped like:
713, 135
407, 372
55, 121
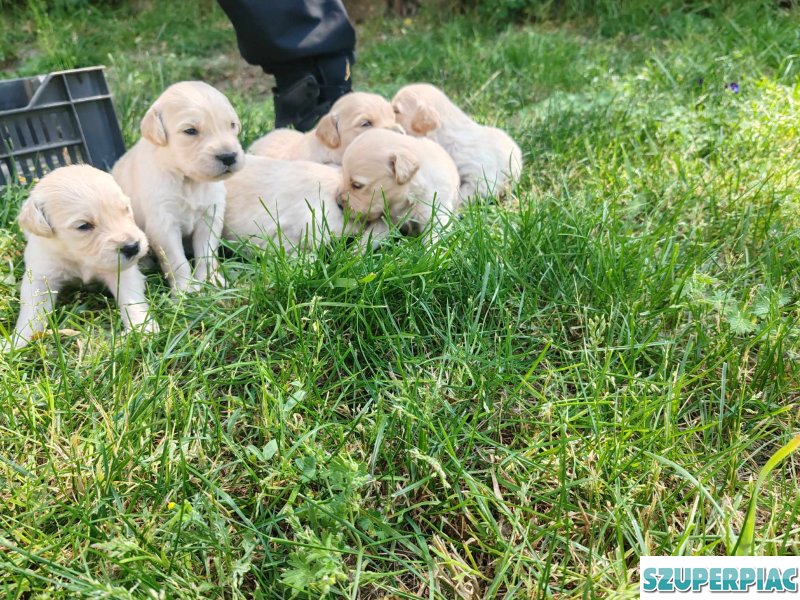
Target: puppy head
85, 218
377, 169
350, 116
415, 109
197, 130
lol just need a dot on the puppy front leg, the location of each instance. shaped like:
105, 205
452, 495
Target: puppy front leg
440, 215
169, 251
128, 289
36, 302
374, 233
205, 242
469, 188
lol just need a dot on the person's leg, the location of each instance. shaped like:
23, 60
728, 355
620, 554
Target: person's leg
308, 45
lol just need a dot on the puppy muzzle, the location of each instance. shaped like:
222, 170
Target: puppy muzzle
229, 163
130, 250
228, 159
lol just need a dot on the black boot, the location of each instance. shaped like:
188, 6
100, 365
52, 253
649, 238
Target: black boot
306, 90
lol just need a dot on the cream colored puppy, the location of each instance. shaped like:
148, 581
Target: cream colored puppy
350, 116
79, 225
488, 160
174, 175
294, 203
412, 181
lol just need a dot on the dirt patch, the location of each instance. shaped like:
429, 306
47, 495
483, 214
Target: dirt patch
229, 71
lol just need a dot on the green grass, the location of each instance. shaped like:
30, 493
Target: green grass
594, 369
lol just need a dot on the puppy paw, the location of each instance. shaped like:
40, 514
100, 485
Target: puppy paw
15, 343
145, 327
218, 279
185, 287
149, 326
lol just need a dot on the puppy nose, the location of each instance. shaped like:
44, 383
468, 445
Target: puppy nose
130, 250
227, 159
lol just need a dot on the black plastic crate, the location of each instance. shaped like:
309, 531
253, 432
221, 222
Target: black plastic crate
54, 120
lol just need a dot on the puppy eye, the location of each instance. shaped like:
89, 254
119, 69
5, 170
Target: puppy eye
366, 123
355, 185
396, 110
234, 126
191, 131
85, 227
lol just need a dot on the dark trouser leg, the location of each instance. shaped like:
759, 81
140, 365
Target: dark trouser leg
307, 44
301, 102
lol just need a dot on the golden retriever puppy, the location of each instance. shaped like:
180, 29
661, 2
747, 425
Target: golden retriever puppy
79, 225
350, 116
174, 175
293, 203
411, 181
488, 160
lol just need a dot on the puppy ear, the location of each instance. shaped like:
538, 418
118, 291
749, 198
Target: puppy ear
32, 218
153, 127
425, 119
327, 131
404, 165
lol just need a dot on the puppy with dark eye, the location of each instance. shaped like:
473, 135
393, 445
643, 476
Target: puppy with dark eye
79, 226
410, 181
174, 177
350, 116
293, 204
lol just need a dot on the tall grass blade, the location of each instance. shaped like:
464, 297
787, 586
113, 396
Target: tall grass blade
745, 545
